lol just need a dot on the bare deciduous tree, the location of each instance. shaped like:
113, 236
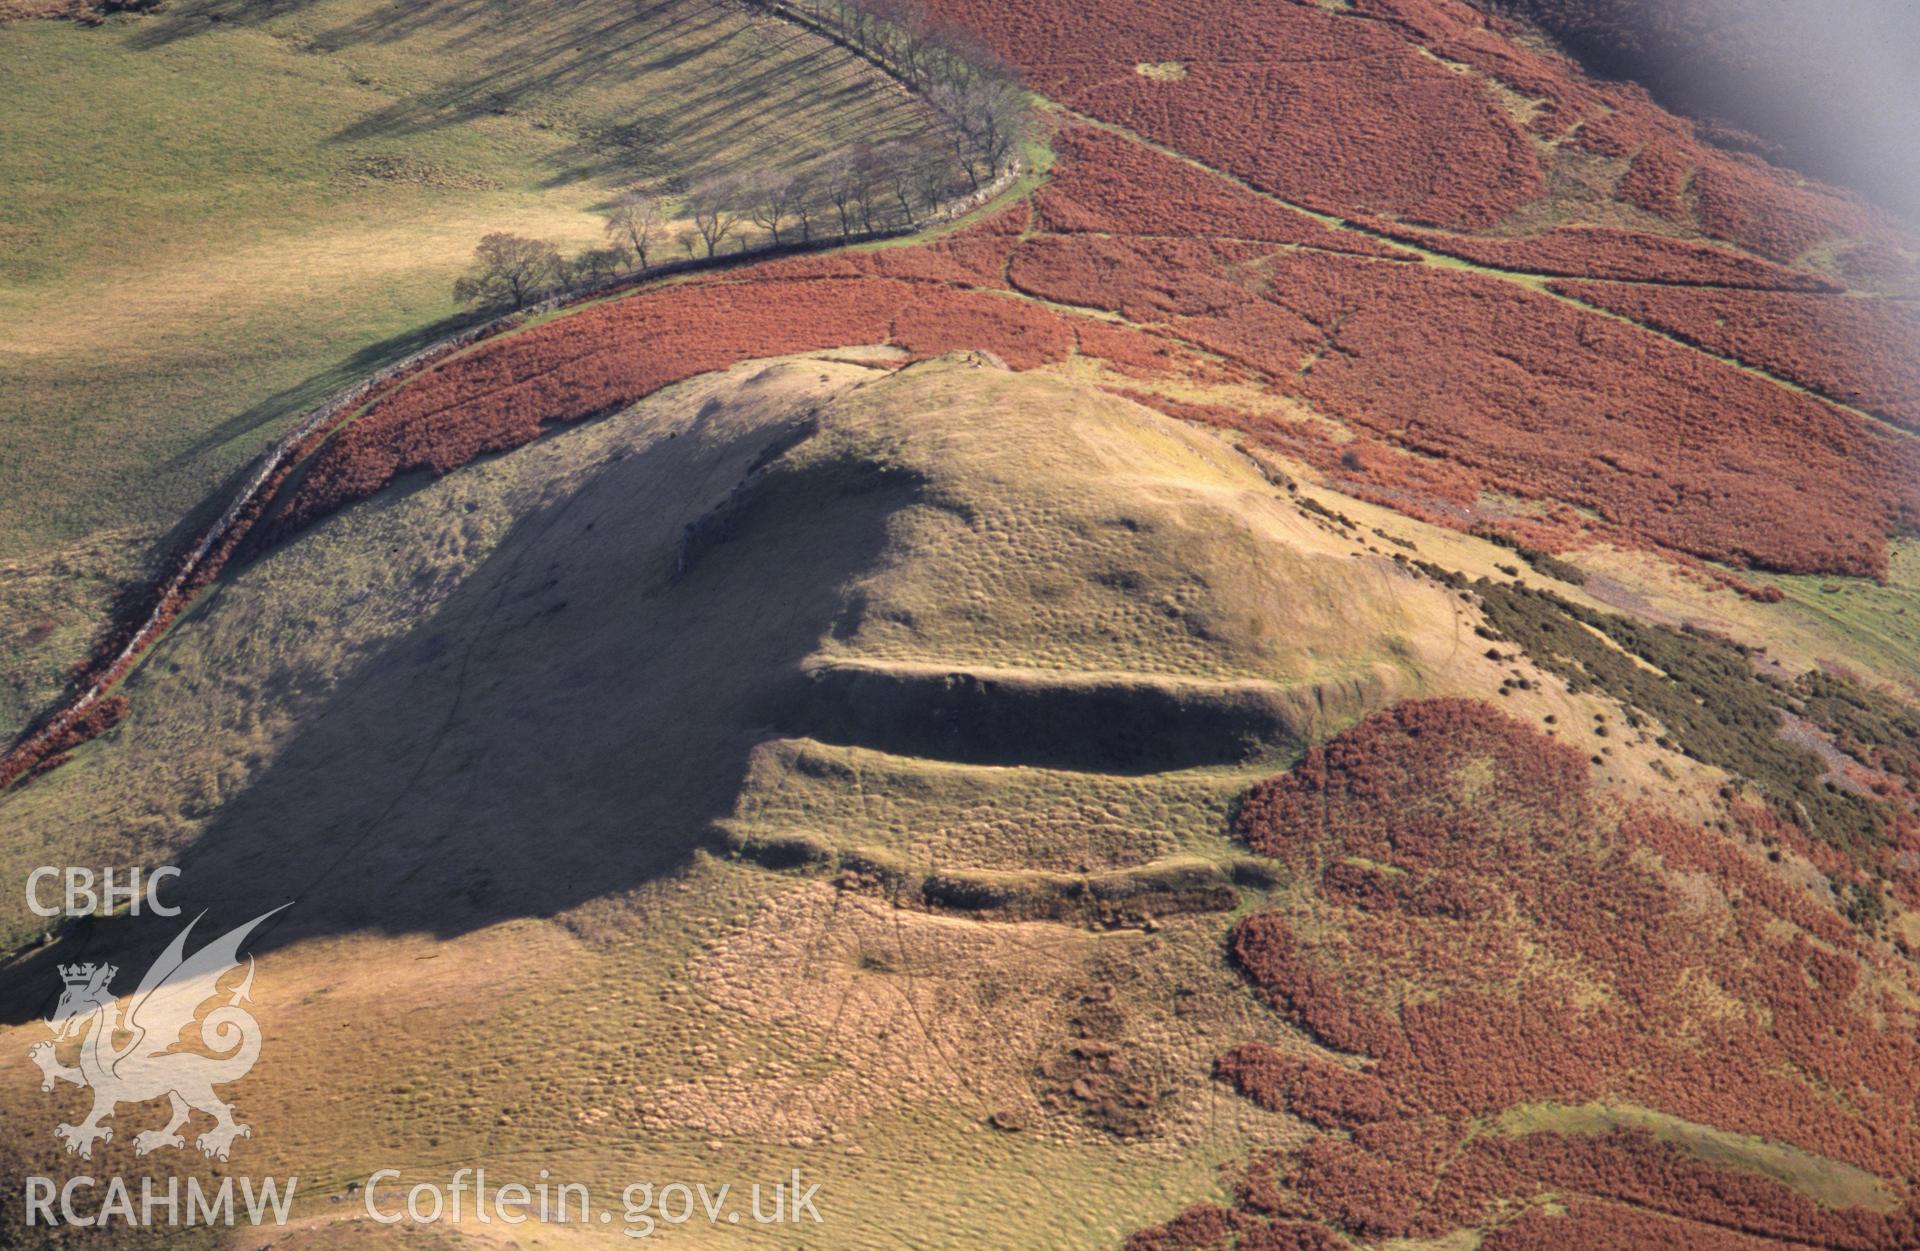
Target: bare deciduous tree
869, 182
634, 222
717, 207
841, 180
998, 116
899, 166
774, 201
509, 270
901, 37
932, 178
976, 92
804, 207
948, 100
977, 95
988, 117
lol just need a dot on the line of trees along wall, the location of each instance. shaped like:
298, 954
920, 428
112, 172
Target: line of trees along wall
866, 190
975, 92
869, 187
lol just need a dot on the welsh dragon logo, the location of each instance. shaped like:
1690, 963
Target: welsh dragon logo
145, 1057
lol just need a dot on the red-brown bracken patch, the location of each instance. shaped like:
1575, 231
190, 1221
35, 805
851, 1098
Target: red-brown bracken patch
1105, 183
1317, 1092
501, 394
1543, 401
1479, 933
1548, 401
1596, 1225
1370, 123
1144, 280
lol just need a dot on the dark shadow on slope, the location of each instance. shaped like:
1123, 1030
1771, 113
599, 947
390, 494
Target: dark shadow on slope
1045, 721
133, 601
161, 554
565, 725
544, 66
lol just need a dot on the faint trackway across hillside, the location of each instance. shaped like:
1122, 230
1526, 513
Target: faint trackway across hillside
1531, 280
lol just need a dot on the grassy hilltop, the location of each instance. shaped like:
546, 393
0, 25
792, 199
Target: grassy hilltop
880, 732
533, 646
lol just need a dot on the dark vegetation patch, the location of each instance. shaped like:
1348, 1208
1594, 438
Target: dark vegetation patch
1713, 706
1875, 729
1100, 1074
1543, 562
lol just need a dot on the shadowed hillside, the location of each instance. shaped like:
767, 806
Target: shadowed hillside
219, 214
953, 564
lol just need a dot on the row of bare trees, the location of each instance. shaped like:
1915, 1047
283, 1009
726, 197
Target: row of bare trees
863, 190
860, 190
976, 93
923, 50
